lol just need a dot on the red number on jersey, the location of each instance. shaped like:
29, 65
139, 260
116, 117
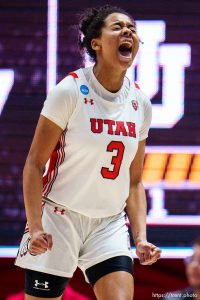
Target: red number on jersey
116, 160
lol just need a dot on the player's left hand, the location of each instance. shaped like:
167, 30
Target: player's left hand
147, 253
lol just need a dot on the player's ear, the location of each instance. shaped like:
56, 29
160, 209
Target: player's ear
95, 44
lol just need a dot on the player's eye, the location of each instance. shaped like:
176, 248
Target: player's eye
132, 28
116, 27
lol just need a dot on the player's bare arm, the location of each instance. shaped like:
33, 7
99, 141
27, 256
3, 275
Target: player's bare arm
45, 139
136, 210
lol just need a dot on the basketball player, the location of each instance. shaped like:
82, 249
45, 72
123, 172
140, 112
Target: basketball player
91, 137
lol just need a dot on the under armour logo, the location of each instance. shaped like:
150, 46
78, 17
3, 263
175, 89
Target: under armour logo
135, 104
59, 211
41, 285
86, 101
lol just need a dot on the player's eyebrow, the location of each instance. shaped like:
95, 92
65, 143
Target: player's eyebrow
122, 22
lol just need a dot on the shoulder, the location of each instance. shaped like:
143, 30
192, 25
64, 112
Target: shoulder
68, 83
67, 87
140, 93
141, 97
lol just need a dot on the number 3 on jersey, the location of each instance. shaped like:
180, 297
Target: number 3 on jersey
116, 160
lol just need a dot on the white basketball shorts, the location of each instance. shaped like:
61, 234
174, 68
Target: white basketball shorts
77, 241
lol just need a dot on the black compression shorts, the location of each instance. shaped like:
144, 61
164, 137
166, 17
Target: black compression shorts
39, 284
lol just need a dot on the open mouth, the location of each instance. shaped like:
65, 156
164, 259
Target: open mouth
125, 50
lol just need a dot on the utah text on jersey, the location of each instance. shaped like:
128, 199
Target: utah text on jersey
113, 127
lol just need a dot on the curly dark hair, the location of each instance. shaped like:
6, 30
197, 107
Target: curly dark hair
91, 23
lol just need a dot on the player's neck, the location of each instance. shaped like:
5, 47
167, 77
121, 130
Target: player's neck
109, 78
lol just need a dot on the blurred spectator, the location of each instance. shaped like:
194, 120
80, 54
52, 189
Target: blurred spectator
193, 276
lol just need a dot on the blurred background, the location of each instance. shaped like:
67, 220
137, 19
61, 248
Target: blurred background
38, 48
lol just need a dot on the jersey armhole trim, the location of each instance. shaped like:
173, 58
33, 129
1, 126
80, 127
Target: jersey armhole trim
52, 119
73, 74
78, 104
137, 85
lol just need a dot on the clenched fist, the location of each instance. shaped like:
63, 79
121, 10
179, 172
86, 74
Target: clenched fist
147, 253
40, 242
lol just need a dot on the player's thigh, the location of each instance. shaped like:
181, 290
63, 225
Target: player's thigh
115, 286
112, 279
28, 297
39, 285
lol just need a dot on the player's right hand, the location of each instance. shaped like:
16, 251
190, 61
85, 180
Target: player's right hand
40, 242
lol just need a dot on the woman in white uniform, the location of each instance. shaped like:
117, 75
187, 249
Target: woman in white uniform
91, 136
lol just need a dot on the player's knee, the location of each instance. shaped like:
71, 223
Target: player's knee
125, 294
119, 293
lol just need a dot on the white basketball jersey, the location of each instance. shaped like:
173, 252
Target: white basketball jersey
88, 172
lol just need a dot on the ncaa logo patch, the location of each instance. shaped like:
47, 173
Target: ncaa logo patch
135, 104
84, 89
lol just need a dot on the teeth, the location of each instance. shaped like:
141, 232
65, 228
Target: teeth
126, 44
125, 47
